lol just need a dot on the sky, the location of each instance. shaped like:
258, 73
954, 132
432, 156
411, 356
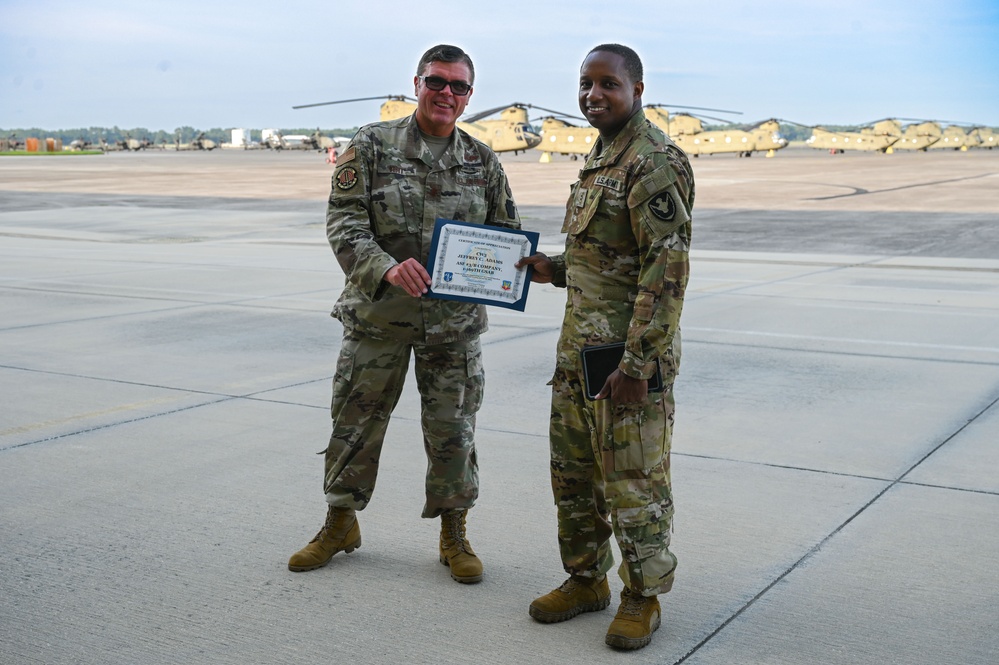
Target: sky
204, 64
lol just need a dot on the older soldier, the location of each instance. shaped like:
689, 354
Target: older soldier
625, 268
390, 184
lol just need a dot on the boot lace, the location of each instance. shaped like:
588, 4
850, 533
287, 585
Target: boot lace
331, 522
631, 603
455, 526
569, 586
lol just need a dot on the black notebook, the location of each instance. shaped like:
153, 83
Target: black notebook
600, 361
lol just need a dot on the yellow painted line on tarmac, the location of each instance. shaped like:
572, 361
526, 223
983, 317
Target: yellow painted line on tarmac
22, 429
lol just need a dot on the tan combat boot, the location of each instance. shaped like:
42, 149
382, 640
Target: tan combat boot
341, 533
575, 596
637, 618
455, 552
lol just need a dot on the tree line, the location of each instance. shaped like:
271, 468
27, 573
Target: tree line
184, 134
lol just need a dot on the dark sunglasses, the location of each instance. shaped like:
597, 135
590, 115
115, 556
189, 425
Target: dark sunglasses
459, 88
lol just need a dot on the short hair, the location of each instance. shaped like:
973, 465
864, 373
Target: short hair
445, 53
632, 63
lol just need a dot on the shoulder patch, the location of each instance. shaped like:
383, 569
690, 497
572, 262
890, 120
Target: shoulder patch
347, 156
346, 177
662, 206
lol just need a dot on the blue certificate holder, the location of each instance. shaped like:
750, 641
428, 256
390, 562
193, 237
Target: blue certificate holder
475, 263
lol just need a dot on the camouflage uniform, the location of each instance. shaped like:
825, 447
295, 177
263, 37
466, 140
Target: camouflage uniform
625, 268
387, 191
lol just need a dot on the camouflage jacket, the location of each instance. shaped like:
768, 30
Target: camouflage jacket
626, 263
386, 194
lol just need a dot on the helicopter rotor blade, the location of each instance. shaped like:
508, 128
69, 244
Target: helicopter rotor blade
488, 112
700, 116
558, 113
694, 108
359, 99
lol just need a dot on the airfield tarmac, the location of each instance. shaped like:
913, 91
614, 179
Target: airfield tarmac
166, 360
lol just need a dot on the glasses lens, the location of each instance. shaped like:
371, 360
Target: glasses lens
459, 88
435, 82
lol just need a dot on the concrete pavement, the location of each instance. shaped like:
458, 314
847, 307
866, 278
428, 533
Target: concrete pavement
166, 361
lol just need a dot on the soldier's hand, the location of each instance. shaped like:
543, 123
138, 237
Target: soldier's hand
544, 269
410, 275
623, 389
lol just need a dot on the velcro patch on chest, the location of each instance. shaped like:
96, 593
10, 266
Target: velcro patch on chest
402, 169
609, 183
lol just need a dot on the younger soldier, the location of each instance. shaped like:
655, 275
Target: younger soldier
625, 269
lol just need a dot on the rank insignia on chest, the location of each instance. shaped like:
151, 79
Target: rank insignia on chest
662, 206
346, 177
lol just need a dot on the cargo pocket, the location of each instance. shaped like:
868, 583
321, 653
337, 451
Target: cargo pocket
475, 380
342, 380
638, 435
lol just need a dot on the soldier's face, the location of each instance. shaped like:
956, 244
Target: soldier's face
438, 110
607, 96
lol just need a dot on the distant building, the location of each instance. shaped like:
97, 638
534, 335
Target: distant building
240, 138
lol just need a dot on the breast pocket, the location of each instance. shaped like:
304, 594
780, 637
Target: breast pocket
393, 206
582, 208
472, 206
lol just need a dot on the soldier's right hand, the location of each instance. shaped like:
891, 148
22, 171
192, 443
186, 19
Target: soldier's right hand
544, 269
410, 275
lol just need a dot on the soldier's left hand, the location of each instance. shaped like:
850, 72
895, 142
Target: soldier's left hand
623, 389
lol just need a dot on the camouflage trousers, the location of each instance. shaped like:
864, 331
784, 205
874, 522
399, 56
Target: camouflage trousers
610, 474
369, 379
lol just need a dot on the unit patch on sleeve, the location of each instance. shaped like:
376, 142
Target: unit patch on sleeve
662, 206
346, 177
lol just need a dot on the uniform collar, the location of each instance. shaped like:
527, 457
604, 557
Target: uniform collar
612, 153
416, 148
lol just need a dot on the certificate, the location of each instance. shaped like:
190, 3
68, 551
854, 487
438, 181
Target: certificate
475, 263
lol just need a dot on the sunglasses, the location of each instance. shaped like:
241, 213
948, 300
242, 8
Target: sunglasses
458, 88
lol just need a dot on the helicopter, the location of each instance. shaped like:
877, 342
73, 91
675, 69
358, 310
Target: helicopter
200, 142
955, 137
686, 130
986, 137
315, 141
509, 132
879, 137
82, 145
919, 136
887, 135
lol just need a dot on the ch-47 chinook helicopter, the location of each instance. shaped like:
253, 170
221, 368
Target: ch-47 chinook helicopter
952, 137
510, 132
879, 137
986, 137
955, 137
686, 130
919, 135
